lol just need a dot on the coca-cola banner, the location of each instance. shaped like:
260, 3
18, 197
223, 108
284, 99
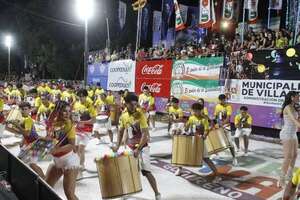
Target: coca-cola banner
158, 87
156, 69
197, 68
121, 75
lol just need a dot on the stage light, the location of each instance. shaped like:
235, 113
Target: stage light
225, 24
291, 52
261, 68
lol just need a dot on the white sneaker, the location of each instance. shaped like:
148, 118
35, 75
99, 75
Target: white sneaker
178, 172
234, 162
158, 197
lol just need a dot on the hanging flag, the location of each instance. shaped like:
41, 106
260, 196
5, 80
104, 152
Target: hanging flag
228, 9
252, 6
179, 25
156, 28
205, 14
122, 14
184, 12
275, 4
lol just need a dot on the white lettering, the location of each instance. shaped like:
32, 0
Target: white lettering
154, 87
152, 70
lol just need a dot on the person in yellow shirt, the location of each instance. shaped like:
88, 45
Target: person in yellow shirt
197, 124
66, 160
15, 96
222, 114
41, 88
55, 93
27, 130
175, 117
147, 103
99, 90
87, 113
292, 186
243, 123
204, 111
135, 122
110, 98
103, 127
45, 108
67, 95
8, 89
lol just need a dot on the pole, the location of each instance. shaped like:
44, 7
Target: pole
86, 50
243, 30
8, 61
162, 23
137, 45
269, 14
297, 24
108, 35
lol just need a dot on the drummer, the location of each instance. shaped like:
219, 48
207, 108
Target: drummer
222, 115
147, 103
175, 117
45, 108
134, 120
84, 128
242, 122
27, 130
103, 110
198, 124
204, 111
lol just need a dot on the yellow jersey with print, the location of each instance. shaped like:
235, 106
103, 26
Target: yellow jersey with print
205, 111
146, 102
102, 107
37, 102
55, 92
91, 93
244, 121
176, 112
134, 123
68, 96
28, 125
7, 91
222, 111
1, 105
41, 89
15, 93
43, 109
110, 99
197, 125
84, 108
296, 177
99, 91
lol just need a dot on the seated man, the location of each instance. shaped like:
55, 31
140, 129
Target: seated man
242, 122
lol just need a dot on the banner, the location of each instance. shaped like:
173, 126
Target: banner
168, 26
252, 6
97, 73
195, 89
156, 28
93, 80
121, 75
122, 14
228, 9
260, 92
197, 68
156, 69
205, 12
275, 4
158, 87
145, 24
179, 25
184, 12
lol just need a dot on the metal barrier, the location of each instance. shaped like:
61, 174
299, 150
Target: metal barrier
26, 184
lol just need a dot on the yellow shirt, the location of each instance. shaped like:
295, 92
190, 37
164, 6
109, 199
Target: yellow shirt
1, 105
28, 126
176, 111
197, 122
37, 102
85, 107
296, 177
28, 123
67, 96
238, 118
43, 109
7, 91
91, 93
136, 119
15, 93
41, 89
205, 111
55, 92
146, 101
98, 91
222, 111
110, 100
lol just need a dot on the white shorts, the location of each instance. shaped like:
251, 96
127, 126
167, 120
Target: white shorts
176, 126
68, 161
144, 159
242, 132
287, 136
152, 113
102, 128
83, 138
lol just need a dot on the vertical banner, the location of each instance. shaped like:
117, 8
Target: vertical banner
205, 15
184, 12
228, 9
145, 28
252, 6
122, 14
167, 29
179, 25
275, 4
121, 75
156, 28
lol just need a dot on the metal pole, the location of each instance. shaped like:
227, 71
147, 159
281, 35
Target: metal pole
8, 61
86, 50
269, 14
137, 45
162, 23
108, 35
243, 30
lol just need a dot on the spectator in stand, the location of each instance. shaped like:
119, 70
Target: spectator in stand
281, 40
253, 43
269, 41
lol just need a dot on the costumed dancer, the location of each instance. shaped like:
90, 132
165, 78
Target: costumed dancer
135, 121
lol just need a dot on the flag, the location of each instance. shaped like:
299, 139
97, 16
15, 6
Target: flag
228, 9
205, 13
179, 25
156, 28
252, 6
184, 12
275, 4
122, 14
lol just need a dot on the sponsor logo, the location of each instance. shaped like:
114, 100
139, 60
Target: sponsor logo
121, 83
92, 69
177, 88
152, 70
123, 67
154, 87
178, 69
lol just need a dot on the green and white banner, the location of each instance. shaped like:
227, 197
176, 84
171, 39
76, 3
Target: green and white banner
195, 89
197, 68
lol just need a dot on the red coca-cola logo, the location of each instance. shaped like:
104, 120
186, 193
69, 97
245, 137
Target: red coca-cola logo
152, 70
154, 87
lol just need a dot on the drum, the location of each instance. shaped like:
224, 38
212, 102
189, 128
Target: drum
216, 141
14, 115
187, 150
118, 176
101, 119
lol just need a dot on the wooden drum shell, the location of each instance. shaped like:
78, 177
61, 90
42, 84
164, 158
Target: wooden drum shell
216, 141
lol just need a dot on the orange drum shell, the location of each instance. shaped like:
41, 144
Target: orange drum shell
118, 176
187, 150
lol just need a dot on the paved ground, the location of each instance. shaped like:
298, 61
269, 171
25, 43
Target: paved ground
254, 178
